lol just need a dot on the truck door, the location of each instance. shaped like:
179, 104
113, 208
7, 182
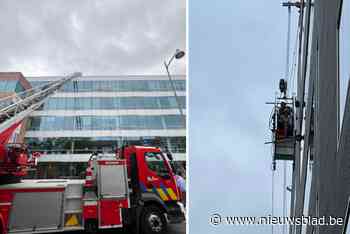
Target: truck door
158, 177
113, 192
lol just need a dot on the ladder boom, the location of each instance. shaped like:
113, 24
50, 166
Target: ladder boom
16, 107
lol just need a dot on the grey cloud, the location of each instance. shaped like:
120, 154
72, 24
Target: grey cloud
95, 37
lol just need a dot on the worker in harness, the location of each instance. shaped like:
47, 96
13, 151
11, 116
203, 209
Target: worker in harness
284, 122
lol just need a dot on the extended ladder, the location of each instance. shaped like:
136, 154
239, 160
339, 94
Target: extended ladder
14, 108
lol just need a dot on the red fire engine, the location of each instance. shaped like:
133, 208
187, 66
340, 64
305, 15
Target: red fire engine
135, 189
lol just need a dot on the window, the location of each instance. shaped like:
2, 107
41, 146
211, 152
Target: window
86, 122
153, 122
87, 86
19, 88
116, 85
96, 123
61, 104
69, 103
105, 103
52, 123
38, 83
173, 121
155, 162
149, 103
8, 85
131, 102
34, 124
67, 87
109, 123
104, 86
88, 144
173, 102
69, 123
86, 103
129, 122
180, 85
109, 103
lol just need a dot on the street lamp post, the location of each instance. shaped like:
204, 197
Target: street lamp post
178, 55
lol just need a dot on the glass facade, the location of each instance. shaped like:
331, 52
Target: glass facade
118, 85
110, 103
81, 145
59, 123
59, 170
95, 97
11, 86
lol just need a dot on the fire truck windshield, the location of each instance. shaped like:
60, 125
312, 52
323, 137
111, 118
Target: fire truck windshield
155, 162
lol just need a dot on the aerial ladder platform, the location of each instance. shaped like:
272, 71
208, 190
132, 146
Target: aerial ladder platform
14, 158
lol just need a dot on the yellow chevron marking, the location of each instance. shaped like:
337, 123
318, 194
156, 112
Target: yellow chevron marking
72, 221
162, 195
171, 194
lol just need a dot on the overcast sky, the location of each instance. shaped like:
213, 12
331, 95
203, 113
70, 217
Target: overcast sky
237, 55
40, 37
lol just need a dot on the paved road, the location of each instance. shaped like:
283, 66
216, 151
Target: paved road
172, 229
177, 228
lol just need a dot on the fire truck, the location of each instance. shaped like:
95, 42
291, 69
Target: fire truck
135, 189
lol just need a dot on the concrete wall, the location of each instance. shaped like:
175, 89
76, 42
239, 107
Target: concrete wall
324, 199
327, 108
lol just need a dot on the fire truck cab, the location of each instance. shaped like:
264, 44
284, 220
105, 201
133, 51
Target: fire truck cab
135, 190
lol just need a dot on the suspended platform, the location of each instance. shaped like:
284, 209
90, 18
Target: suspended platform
284, 149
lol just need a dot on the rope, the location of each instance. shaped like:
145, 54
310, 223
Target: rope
289, 78
292, 73
271, 119
272, 185
288, 46
284, 192
272, 197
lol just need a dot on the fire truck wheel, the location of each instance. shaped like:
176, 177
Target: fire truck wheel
2, 229
91, 226
153, 220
